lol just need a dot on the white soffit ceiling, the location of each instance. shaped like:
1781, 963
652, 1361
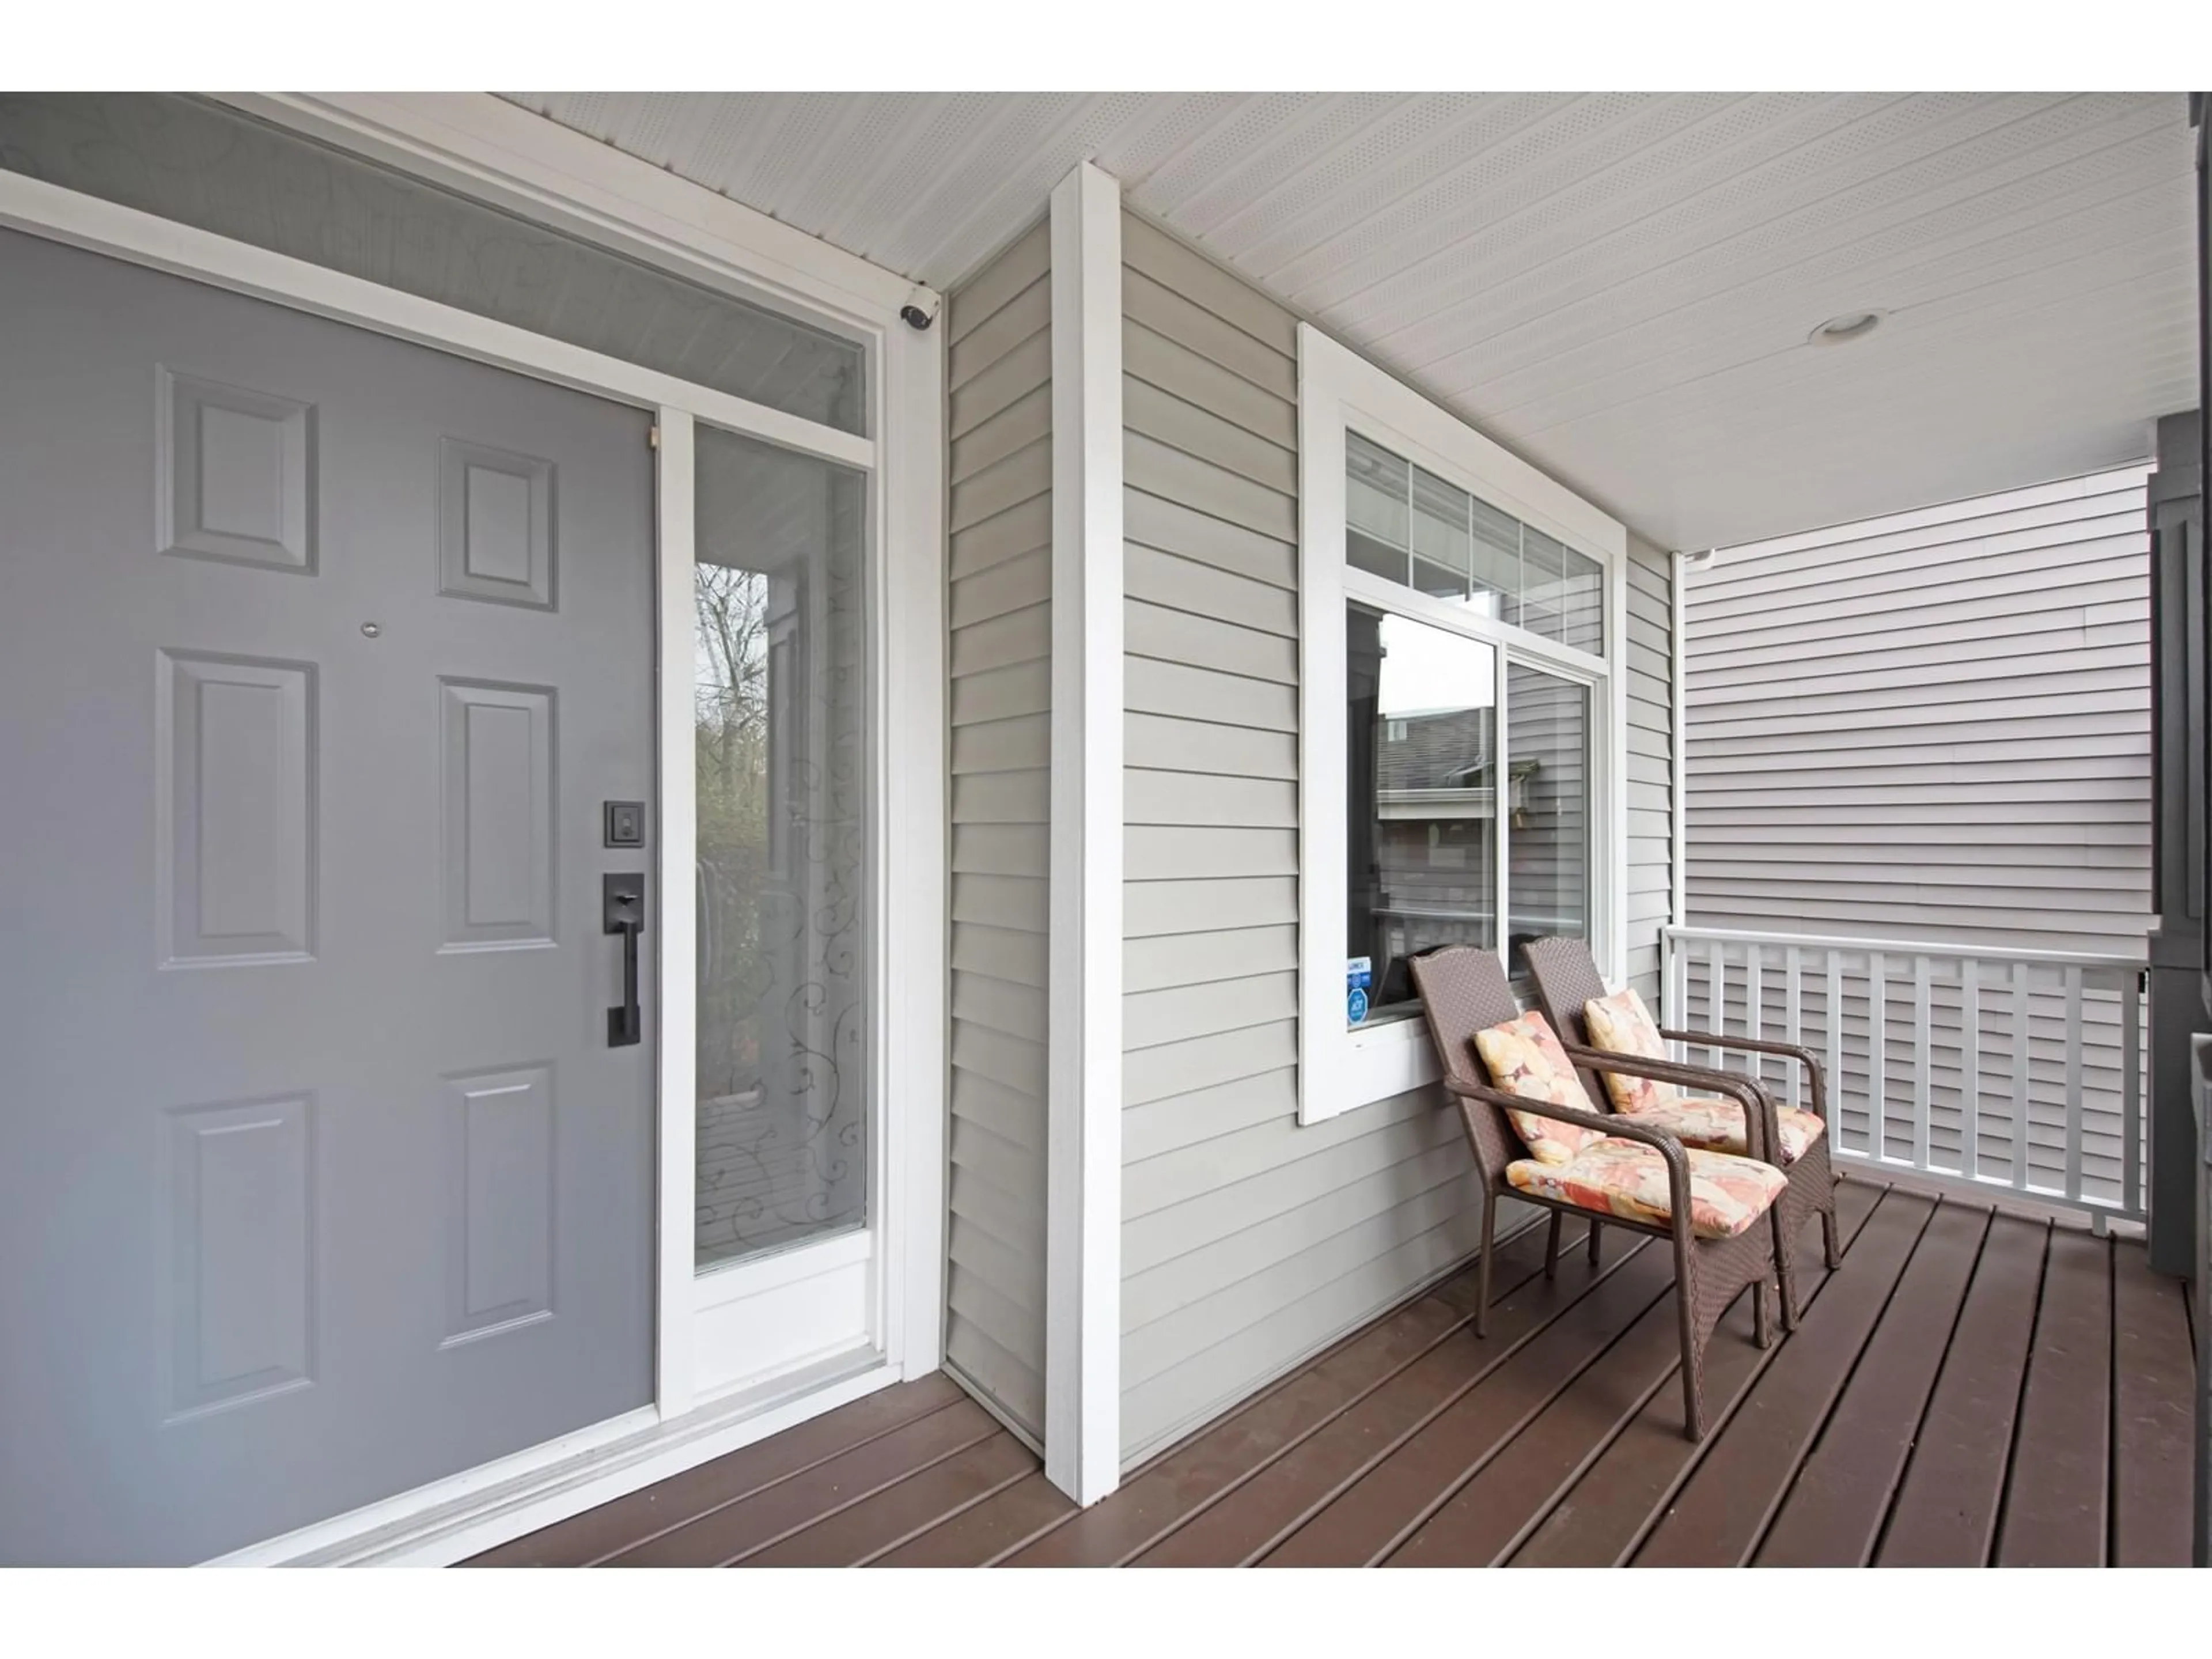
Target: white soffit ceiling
1617, 285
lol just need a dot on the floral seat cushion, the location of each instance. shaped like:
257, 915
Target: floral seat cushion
1624, 1178
1621, 1024
1717, 1126
1524, 1058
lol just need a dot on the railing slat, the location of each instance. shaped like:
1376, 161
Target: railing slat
1755, 1006
1923, 1040
1834, 1015
1718, 992
1790, 1014
1970, 1066
1877, 1056
2020, 1075
2074, 1084
1675, 998
2131, 1193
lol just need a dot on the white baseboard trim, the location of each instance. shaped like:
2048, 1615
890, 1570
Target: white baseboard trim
450, 1519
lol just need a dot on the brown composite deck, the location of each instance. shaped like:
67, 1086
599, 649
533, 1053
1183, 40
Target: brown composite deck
1970, 1388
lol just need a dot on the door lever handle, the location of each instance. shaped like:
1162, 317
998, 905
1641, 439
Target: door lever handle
622, 910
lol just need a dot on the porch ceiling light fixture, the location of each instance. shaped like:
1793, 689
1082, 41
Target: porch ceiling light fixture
1841, 331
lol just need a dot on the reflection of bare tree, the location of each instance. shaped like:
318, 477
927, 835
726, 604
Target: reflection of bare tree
731, 720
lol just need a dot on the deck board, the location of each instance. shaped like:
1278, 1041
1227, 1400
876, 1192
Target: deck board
1717, 1519
2057, 1502
1833, 1514
1600, 1520
1945, 1513
1947, 1400
2153, 1367
1250, 1519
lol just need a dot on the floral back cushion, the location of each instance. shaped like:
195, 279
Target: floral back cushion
1525, 1059
1621, 1024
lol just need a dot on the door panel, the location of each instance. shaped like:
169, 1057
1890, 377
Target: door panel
321, 652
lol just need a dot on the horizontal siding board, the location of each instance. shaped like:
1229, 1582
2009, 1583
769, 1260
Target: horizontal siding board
1147, 249
1170, 526
1150, 1018
1154, 631
1159, 362
1001, 849
1194, 430
1019, 320
1011, 377
1158, 469
1179, 584
1177, 959
1014, 584
1183, 797
1021, 476
1021, 423
1152, 910
1023, 261
1174, 1121
1023, 688
1009, 535
1166, 312
1164, 743
1152, 686
1018, 743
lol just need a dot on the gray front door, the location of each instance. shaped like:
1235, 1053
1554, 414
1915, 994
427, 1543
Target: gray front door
319, 651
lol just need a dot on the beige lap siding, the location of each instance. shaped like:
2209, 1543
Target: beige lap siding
1247, 1241
999, 660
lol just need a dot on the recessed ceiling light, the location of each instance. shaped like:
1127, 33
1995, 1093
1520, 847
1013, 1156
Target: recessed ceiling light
1852, 325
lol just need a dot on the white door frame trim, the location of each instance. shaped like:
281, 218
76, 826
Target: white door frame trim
491, 150
1082, 1243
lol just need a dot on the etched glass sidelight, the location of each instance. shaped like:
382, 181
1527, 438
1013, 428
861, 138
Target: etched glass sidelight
781, 689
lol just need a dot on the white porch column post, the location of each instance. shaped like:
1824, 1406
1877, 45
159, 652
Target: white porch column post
1082, 1234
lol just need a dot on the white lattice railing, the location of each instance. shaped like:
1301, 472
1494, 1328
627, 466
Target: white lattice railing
2010, 1068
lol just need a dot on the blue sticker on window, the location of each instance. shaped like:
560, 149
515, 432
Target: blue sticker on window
1355, 1005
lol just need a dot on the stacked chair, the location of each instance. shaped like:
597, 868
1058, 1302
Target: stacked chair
1538, 1134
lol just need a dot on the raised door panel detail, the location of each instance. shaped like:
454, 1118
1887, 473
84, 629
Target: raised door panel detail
235, 474
495, 525
235, 755
241, 1259
499, 1203
499, 799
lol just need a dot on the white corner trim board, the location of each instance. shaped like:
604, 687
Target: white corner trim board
1082, 1246
1341, 1068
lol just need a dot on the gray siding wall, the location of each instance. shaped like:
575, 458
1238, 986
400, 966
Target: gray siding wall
1651, 780
1000, 609
1248, 1241
1932, 725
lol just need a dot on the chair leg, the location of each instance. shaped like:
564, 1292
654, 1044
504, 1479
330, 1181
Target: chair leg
1761, 1322
1830, 1240
1482, 1272
1785, 1266
1552, 1247
1693, 1402
1596, 1233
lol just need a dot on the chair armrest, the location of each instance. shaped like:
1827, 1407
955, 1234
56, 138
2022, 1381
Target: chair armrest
1669, 1147
1797, 1052
1763, 1126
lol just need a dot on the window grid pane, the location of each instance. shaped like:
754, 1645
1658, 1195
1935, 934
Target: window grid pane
1411, 527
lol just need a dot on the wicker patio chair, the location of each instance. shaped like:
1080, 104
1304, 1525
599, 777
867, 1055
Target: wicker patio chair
1463, 990
1567, 981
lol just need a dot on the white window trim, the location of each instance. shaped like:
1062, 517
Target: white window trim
1341, 1068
